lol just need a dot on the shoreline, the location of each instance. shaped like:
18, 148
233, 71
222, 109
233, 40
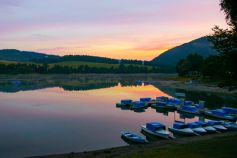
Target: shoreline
164, 80
199, 87
129, 150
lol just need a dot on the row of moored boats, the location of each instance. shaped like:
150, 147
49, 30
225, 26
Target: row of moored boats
181, 105
180, 128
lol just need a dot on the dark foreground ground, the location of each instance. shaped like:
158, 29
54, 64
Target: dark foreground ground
210, 146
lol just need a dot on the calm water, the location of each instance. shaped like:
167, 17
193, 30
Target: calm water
59, 120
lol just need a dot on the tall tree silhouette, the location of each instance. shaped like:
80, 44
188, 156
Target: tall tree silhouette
225, 42
230, 9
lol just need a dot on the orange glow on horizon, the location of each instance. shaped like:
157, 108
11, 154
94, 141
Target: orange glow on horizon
109, 52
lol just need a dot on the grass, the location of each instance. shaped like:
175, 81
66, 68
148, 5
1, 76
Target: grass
16, 62
223, 147
209, 146
75, 64
8, 62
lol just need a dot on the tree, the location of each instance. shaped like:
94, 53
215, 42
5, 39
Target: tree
225, 42
212, 68
230, 9
191, 65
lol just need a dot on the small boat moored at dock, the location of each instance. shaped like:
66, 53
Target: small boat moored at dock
162, 105
159, 104
171, 103
181, 128
188, 102
124, 102
145, 99
175, 102
189, 109
220, 114
232, 126
197, 128
218, 125
138, 105
133, 137
207, 127
200, 106
156, 129
230, 111
162, 98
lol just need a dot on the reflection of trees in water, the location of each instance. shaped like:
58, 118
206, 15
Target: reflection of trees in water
26, 86
212, 100
90, 82
88, 86
70, 82
168, 90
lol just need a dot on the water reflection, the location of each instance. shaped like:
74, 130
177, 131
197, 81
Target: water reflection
71, 82
58, 115
85, 83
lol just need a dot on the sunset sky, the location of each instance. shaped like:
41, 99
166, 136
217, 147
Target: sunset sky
132, 29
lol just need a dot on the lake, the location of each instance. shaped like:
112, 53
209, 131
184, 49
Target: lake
48, 116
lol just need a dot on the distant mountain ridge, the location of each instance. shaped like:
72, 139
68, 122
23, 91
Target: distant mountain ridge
171, 57
167, 61
23, 56
16, 55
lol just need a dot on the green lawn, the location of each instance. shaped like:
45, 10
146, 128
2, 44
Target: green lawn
15, 62
208, 147
75, 64
222, 147
8, 62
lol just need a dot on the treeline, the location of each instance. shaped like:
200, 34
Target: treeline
213, 68
21, 68
95, 59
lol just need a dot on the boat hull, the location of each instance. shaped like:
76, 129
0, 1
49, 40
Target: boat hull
199, 130
122, 105
210, 129
163, 134
139, 107
134, 138
218, 116
188, 112
231, 128
220, 128
187, 132
168, 107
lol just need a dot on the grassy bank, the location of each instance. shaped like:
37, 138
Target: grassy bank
76, 64
216, 146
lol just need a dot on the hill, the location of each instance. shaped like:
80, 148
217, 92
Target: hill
171, 57
16, 55
26, 56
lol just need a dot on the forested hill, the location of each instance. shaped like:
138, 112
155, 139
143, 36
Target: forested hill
22, 56
200, 46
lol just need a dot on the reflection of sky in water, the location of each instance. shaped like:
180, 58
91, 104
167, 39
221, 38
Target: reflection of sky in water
52, 120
